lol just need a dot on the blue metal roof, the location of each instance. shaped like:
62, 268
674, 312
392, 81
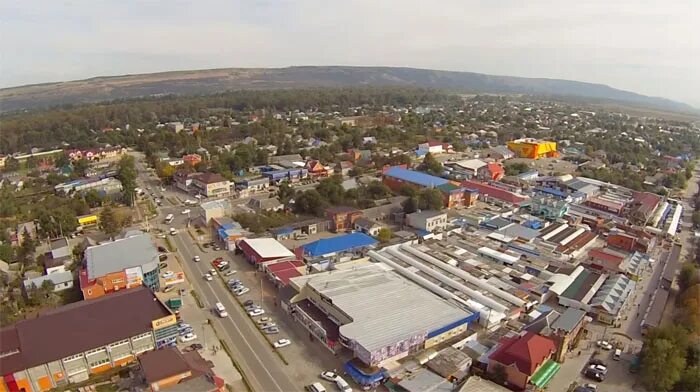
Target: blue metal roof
553, 191
341, 243
415, 177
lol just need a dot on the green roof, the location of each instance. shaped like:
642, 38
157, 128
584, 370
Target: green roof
576, 285
545, 373
448, 187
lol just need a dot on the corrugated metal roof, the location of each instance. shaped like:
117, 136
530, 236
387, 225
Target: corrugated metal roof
415, 177
118, 255
338, 244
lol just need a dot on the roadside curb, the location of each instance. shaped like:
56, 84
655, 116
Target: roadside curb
226, 348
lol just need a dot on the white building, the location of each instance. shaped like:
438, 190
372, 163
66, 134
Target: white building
429, 220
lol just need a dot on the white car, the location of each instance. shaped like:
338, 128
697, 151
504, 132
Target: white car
264, 320
256, 312
196, 259
604, 344
212, 272
242, 291
208, 277
168, 274
329, 376
229, 273
188, 338
185, 212
282, 343
161, 235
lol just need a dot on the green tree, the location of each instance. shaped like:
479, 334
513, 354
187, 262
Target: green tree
310, 202
109, 222
80, 167
514, 169
663, 362
285, 192
93, 198
431, 165
384, 235
11, 164
6, 252
688, 276
690, 379
126, 173
410, 205
431, 199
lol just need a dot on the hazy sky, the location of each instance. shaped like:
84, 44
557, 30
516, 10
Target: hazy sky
649, 47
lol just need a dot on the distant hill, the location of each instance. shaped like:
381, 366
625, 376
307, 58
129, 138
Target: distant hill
219, 80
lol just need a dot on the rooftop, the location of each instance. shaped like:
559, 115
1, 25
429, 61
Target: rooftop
415, 177
268, 247
569, 319
426, 214
527, 351
55, 278
405, 311
81, 325
120, 254
341, 243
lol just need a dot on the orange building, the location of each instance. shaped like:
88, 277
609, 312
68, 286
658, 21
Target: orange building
69, 344
167, 367
343, 218
192, 159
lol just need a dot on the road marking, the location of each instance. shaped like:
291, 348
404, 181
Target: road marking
240, 332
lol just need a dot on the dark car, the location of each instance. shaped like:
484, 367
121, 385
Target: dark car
206, 245
597, 361
162, 257
163, 265
162, 249
225, 268
248, 302
594, 375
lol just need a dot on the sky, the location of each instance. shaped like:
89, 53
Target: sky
648, 47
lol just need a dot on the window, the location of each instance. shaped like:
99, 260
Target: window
119, 343
142, 336
95, 351
99, 362
73, 358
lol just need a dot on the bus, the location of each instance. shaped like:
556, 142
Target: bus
220, 310
169, 218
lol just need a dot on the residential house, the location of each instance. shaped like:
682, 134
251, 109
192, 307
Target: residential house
58, 280
434, 147
563, 328
260, 204
431, 221
192, 159
343, 218
491, 172
212, 185
360, 156
316, 169
368, 226
344, 167
171, 370
522, 356
500, 153
25, 230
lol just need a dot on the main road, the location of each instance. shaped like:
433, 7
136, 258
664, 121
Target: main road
259, 364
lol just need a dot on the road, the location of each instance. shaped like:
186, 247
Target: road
262, 367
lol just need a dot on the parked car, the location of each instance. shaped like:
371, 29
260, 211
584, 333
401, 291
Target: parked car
604, 344
186, 331
196, 346
248, 302
267, 325
208, 277
264, 320
315, 387
594, 375
168, 289
224, 268
182, 325
229, 273
188, 338
162, 249
342, 385
196, 259
242, 291
596, 361
168, 274
162, 257
329, 376
256, 312
185, 211
212, 272
271, 331
216, 247
282, 343
162, 265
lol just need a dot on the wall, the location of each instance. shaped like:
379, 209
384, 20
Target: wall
515, 377
172, 380
622, 241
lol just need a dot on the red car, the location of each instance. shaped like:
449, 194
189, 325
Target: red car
217, 261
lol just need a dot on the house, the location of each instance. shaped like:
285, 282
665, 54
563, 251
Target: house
430, 221
494, 194
468, 167
175, 126
344, 167
58, 280
59, 248
456, 196
491, 172
563, 328
25, 230
500, 153
360, 156
316, 169
522, 357
260, 204
368, 226
212, 185
288, 161
192, 159
171, 370
343, 218
434, 147
213, 209
261, 251
227, 230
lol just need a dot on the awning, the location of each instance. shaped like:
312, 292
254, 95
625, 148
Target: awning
545, 373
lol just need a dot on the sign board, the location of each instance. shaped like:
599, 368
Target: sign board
164, 322
179, 277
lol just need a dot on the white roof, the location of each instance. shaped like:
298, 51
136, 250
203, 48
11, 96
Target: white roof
471, 164
268, 247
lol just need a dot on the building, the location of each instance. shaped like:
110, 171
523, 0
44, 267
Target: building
96, 154
60, 281
260, 251
293, 174
346, 243
469, 167
451, 363
607, 205
343, 218
175, 126
252, 185
533, 149
491, 172
192, 160
316, 169
397, 177
478, 384
227, 231
340, 308
122, 264
494, 194
522, 357
103, 186
70, 343
59, 248
434, 147
368, 226
430, 221
214, 209
212, 185
171, 369
500, 153
260, 204
563, 328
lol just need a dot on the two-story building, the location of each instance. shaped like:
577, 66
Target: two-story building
428, 220
212, 185
343, 218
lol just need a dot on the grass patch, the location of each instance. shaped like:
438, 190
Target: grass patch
197, 299
170, 245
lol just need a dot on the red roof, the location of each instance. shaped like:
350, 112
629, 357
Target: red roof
495, 192
601, 254
527, 352
285, 270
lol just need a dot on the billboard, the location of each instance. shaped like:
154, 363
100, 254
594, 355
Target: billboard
134, 276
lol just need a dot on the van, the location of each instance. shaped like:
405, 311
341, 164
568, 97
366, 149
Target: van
315, 387
617, 355
342, 384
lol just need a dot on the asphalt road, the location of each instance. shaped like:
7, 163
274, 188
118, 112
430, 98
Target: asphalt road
262, 367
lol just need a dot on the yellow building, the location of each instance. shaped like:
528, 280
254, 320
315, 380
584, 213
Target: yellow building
533, 149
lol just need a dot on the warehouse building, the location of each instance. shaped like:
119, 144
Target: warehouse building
374, 312
121, 264
262, 251
69, 344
